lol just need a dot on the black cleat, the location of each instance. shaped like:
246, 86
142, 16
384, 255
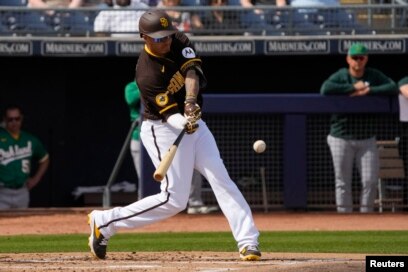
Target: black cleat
97, 242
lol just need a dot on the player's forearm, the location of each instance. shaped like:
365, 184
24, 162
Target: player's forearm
404, 90
42, 168
389, 88
280, 3
191, 85
246, 3
37, 4
333, 88
75, 4
34, 180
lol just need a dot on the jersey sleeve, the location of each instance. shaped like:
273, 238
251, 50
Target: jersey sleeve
40, 154
337, 83
380, 83
188, 57
403, 81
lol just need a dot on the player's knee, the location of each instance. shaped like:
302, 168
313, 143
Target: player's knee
369, 183
178, 205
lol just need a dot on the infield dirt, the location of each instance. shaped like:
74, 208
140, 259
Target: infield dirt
59, 221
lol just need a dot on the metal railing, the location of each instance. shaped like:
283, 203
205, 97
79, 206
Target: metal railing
367, 19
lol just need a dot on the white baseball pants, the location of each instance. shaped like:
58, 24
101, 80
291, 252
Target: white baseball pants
365, 154
198, 150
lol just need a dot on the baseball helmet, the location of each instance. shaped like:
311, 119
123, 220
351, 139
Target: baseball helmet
156, 24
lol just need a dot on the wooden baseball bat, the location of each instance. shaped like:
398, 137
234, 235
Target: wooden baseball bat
167, 159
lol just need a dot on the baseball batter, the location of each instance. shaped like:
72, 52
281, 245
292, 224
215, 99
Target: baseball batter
169, 76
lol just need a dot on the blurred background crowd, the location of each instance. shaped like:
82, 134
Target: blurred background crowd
204, 17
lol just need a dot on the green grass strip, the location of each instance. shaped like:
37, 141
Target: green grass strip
369, 242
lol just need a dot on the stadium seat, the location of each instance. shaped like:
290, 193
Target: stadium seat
402, 12
250, 22
391, 169
193, 3
6, 18
24, 23
77, 23
294, 22
3, 25
13, 3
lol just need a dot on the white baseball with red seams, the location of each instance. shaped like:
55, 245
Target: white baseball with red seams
259, 146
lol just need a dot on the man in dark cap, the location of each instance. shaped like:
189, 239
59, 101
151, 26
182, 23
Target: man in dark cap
170, 77
347, 140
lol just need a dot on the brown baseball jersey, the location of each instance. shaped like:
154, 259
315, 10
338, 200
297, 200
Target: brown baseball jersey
161, 79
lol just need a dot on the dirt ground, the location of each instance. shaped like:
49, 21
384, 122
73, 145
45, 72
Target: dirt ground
59, 221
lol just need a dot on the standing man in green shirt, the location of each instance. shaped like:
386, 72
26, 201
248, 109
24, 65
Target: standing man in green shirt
349, 142
18, 150
132, 97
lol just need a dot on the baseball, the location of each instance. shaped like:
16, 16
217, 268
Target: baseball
259, 146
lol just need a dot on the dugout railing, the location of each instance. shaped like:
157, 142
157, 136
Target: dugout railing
364, 19
297, 162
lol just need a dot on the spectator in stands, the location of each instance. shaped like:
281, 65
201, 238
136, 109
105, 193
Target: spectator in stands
55, 3
151, 3
249, 3
349, 143
309, 17
69, 22
220, 22
122, 21
182, 20
95, 3
19, 150
258, 21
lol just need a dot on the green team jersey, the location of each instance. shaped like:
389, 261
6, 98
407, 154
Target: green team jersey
132, 97
16, 157
403, 81
355, 126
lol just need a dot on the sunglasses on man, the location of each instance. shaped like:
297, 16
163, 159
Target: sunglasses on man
356, 58
163, 39
13, 119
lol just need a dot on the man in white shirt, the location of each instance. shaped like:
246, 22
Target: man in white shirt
123, 20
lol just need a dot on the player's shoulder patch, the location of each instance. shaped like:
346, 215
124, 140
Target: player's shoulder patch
188, 53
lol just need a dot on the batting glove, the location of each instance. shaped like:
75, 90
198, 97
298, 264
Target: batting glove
191, 127
192, 111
